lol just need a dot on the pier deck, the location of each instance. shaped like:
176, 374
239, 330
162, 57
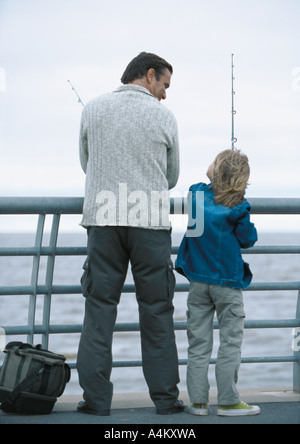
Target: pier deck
278, 406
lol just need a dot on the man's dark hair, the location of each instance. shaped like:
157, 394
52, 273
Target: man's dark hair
139, 66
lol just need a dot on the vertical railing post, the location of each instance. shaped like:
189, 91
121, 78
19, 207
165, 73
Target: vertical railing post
35, 277
296, 347
49, 280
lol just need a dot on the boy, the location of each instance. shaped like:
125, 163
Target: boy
213, 263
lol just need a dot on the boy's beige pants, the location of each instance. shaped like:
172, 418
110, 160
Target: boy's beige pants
203, 301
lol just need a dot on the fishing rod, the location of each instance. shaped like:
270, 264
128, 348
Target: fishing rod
78, 97
233, 111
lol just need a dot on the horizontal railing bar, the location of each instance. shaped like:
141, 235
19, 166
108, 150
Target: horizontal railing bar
183, 362
135, 327
74, 205
41, 205
24, 290
273, 249
43, 251
273, 286
263, 249
254, 324
130, 288
245, 360
275, 205
256, 286
178, 205
82, 251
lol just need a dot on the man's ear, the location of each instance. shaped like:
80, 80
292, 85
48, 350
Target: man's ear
150, 75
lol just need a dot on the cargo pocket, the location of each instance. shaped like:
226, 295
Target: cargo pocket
235, 328
239, 312
170, 279
86, 281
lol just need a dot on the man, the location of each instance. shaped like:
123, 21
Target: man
129, 152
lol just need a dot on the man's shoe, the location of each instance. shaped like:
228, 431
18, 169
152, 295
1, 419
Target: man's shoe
197, 409
83, 407
240, 409
178, 407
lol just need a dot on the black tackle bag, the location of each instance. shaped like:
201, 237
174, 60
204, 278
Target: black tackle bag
31, 379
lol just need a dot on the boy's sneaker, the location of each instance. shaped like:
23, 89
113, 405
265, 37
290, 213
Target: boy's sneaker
197, 409
240, 409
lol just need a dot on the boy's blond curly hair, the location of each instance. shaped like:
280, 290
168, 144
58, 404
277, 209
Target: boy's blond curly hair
230, 178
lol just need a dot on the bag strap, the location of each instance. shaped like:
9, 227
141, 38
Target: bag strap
19, 347
27, 382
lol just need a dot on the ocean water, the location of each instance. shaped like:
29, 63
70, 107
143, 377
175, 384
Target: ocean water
69, 309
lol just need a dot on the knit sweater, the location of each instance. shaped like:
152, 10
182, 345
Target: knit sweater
130, 153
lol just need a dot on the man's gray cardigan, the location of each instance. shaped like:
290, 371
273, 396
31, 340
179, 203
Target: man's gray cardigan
130, 154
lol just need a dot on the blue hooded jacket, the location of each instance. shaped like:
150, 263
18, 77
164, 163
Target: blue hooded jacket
215, 257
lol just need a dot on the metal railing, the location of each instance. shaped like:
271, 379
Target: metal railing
73, 206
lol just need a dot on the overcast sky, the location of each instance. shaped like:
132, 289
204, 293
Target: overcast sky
43, 43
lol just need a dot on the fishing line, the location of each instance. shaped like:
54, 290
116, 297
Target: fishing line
78, 97
233, 111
